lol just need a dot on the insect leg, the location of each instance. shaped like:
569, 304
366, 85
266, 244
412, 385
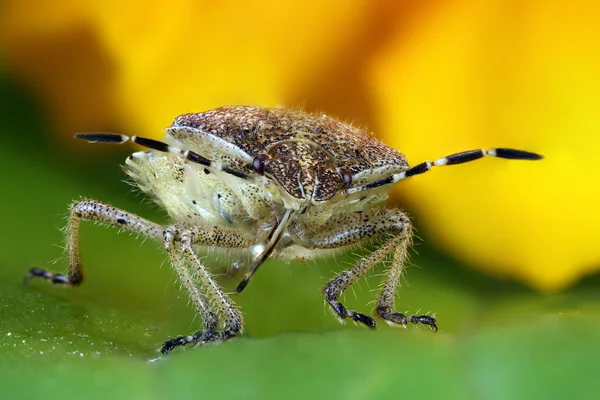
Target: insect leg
201, 302
181, 242
354, 228
387, 295
92, 210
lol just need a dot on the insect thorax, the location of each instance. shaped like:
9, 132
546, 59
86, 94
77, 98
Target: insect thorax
311, 160
193, 194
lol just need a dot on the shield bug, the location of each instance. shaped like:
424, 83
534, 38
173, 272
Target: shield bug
269, 183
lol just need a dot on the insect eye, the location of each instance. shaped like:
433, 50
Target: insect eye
259, 163
347, 177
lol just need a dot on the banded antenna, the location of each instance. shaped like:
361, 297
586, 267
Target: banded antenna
158, 146
453, 159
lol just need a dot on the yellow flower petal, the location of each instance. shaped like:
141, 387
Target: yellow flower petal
508, 74
51, 47
186, 56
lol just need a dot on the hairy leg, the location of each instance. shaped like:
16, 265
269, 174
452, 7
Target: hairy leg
93, 210
207, 297
180, 243
396, 230
387, 295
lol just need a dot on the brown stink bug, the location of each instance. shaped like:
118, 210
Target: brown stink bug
270, 183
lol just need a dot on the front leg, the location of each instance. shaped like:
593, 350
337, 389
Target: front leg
93, 210
204, 296
353, 228
208, 295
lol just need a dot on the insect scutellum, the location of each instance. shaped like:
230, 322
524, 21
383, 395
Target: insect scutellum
267, 183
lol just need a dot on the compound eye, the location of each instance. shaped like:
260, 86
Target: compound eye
347, 177
259, 163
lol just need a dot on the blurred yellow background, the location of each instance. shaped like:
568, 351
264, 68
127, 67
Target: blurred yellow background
429, 78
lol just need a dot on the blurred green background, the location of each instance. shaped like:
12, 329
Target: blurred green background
497, 339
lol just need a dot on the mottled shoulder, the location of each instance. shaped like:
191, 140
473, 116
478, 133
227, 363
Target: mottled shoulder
256, 129
252, 129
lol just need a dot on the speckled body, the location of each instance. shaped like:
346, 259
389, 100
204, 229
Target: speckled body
265, 183
307, 154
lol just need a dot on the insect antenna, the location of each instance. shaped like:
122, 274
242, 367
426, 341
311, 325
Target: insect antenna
102, 137
158, 146
453, 159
